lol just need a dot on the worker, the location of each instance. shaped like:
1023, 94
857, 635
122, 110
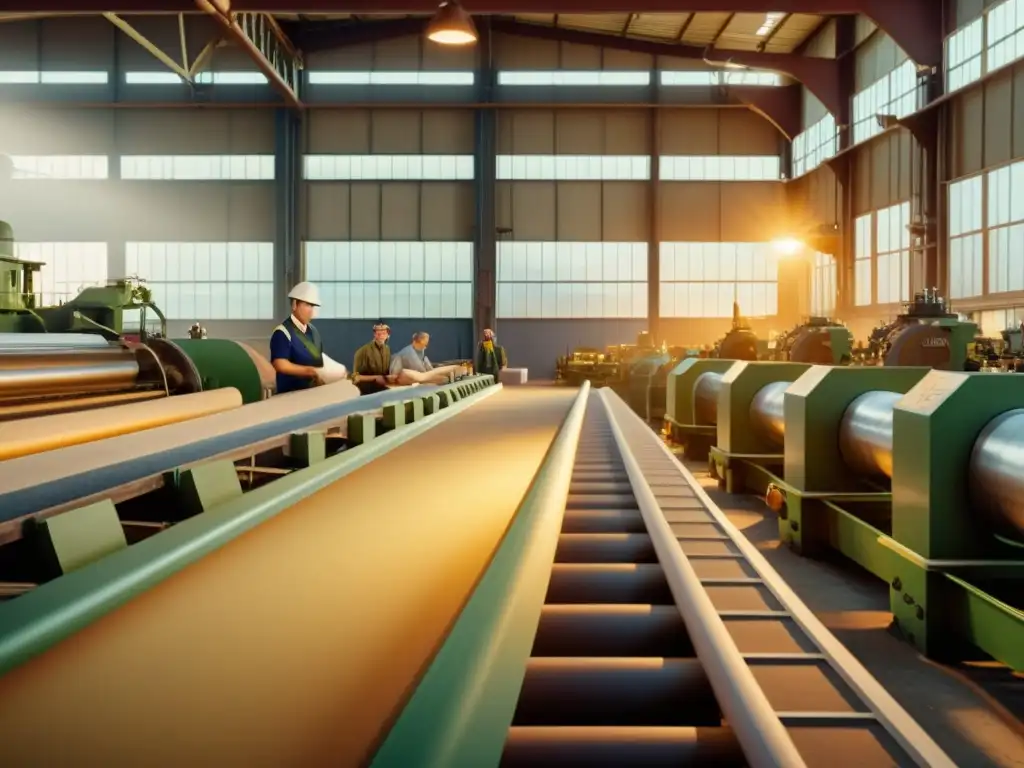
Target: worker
296, 351
412, 366
490, 358
372, 364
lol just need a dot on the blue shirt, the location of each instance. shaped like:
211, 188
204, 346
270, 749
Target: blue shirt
411, 359
289, 343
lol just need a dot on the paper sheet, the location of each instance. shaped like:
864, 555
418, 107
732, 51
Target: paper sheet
332, 371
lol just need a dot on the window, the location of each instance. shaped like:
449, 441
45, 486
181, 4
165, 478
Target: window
61, 167
391, 78
995, 321
198, 167
862, 260
1004, 24
369, 280
572, 280
964, 50
815, 145
693, 78
53, 78
1005, 219
892, 241
68, 268
721, 168
595, 78
704, 279
202, 78
823, 285
894, 94
207, 281
388, 167
965, 237
574, 167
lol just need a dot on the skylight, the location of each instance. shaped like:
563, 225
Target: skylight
771, 21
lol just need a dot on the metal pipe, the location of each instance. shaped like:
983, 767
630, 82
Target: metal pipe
69, 379
705, 397
996, 473
865, 433
767, 412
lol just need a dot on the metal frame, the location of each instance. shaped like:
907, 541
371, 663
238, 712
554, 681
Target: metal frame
58, 609
721, 670
485, 677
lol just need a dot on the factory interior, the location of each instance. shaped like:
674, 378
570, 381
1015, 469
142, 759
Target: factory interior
655, 399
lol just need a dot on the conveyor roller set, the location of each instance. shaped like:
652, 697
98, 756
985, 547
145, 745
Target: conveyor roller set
621, 620
915, 474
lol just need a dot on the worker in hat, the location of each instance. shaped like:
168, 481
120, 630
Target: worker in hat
490, 358
296, 351
372, 364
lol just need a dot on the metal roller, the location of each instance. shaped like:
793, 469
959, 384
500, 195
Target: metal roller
996, 475
705, 397
865, 433
767, 414
66, 371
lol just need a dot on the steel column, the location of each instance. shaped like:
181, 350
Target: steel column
654, 218
287, 178
485, 247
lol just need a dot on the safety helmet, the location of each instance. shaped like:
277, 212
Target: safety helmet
307, 292
380, 325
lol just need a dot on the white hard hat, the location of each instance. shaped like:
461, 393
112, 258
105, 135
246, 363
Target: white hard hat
307, 292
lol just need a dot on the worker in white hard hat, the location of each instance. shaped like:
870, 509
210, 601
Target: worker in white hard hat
296, 351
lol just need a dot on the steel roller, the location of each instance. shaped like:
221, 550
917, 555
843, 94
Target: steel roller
996, 475
767, 415
865, 433
705, 397
66, 371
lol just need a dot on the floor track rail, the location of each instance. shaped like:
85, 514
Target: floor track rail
759, 645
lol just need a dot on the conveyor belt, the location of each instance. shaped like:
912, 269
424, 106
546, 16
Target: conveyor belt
294, 644
34, 483
665, 638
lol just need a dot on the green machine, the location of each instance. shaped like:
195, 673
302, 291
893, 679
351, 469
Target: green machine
917, 475
821, 341
106, 346
925, 334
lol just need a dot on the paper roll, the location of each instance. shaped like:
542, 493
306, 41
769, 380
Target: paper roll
46, 433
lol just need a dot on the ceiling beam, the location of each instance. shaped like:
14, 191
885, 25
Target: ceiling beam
264, 42
819, 76
481, 7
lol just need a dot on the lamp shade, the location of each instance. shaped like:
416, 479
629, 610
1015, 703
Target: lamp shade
451, 25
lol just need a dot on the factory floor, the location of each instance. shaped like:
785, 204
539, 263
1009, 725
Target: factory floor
975, 712
298, 642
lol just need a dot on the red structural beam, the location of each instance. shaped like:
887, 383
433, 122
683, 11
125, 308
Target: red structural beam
915, 25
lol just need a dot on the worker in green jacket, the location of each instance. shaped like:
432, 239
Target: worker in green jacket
371, 368
490, 357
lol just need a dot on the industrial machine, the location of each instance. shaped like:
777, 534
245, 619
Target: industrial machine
586, 364
916, 475
107, 346
740, 343
925, 334
820, 340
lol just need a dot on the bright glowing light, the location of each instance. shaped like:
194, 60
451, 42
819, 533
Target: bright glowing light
787, 246
771, 21
452, 37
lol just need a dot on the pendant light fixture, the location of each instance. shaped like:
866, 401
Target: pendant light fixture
451, 25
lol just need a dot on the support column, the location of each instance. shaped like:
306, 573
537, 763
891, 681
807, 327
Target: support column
287, 178
485, 246
846, 43
654, 221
